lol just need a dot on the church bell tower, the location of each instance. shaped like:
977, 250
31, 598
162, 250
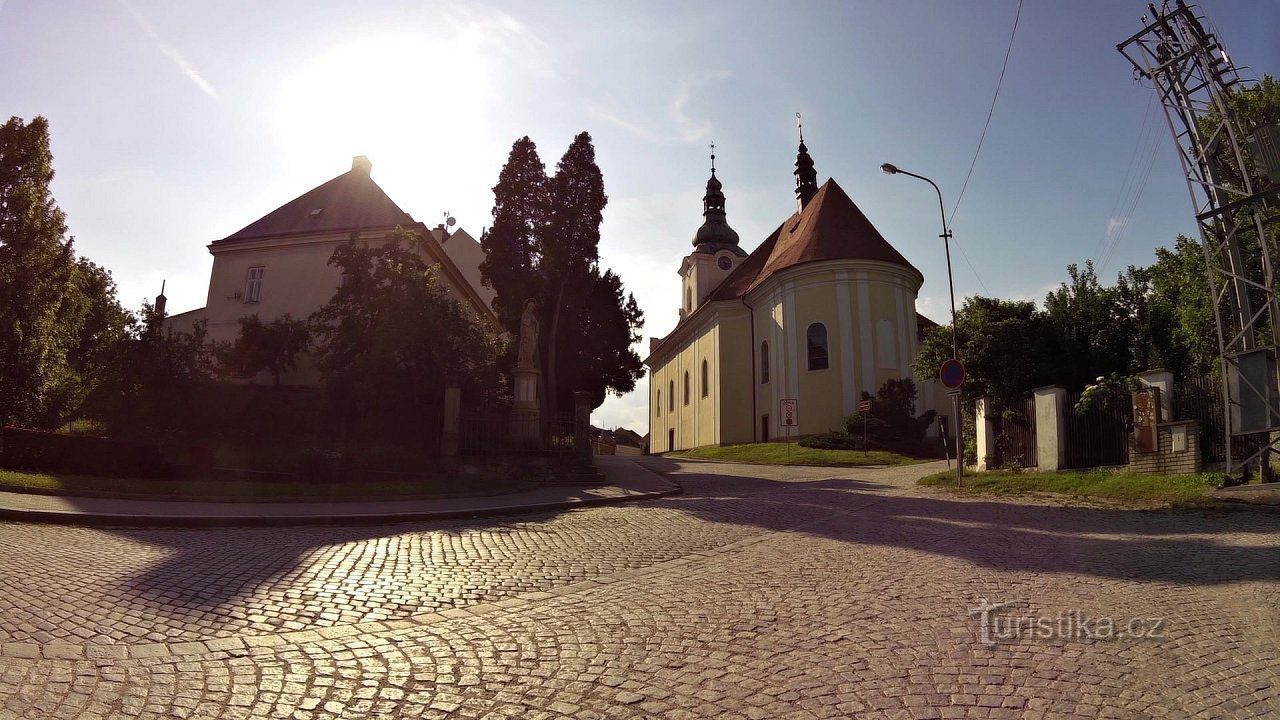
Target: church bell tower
715, 249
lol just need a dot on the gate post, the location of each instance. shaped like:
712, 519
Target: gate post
450, 434
582, 423
1051, 427
984, 432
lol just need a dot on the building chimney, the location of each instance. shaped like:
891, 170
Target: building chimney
361, 163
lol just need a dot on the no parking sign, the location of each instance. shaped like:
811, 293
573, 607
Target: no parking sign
789, 411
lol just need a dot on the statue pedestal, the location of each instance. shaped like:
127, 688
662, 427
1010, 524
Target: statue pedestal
526, 416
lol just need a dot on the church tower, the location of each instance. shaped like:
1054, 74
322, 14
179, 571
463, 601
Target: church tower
715, 249
806, 176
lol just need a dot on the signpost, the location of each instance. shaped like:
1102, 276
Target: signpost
789, 410
864, 408
952, 375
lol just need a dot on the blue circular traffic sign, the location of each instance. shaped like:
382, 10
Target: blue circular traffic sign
952, 374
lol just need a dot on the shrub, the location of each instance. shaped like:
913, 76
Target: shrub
835, 440
39, 451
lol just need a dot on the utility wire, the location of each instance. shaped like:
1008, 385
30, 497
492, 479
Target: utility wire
990, 112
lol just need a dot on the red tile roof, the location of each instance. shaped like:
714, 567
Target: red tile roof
831, 227
351, 201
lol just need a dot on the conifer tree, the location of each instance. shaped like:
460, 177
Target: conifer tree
512, 244
545, 244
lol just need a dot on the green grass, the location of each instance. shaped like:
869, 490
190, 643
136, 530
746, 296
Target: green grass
1117, 486
248, 491
780, 454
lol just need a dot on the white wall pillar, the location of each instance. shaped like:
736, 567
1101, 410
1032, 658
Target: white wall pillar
1162, 379
985, 432
1051, 427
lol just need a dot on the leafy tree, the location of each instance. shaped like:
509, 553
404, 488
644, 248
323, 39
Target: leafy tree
1007, 347
1090, 320
544, 244
272, 347
391, 338
1182, 324
40, 313
147, 390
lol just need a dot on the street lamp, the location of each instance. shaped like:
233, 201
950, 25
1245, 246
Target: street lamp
891, 169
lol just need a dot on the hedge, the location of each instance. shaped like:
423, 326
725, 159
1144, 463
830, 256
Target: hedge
40, 451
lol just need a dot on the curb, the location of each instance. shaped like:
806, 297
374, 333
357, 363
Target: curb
58, 517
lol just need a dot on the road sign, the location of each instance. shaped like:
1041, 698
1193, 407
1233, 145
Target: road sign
864, 406
952, 374
790, 412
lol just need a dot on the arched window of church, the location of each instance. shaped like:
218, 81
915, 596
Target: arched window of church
705, 383
686, 387
764, 362
657, 408
688, 299
817, 336
671, 396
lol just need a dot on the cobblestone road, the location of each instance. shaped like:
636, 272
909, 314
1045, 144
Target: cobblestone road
760, 593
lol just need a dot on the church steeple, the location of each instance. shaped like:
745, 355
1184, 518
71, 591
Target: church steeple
806, 176
715, 233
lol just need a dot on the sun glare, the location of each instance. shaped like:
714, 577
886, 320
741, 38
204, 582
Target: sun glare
401, 96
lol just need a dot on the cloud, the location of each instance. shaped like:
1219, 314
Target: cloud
169, 51
639, 131
692, 129
1115, 226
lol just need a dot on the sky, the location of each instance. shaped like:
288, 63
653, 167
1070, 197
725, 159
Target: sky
177, 122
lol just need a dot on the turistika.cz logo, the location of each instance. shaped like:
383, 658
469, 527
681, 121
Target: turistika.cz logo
996, 626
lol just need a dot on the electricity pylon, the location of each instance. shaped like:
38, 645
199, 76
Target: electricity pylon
1194, 78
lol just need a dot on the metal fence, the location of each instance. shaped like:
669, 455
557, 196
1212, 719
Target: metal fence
1199, 398
1015, 433
1098, 436
488, 431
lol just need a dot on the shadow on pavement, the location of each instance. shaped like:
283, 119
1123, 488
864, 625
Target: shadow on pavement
210, 568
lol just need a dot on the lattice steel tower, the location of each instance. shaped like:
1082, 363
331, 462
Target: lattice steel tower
1194, 78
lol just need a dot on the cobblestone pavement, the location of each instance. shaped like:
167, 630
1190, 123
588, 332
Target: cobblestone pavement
759, 593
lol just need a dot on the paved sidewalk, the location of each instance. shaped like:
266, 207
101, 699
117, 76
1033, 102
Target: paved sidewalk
626, 481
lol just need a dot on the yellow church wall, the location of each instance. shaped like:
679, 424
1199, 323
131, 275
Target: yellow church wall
696, 422
856, 301
820, 391
735, 378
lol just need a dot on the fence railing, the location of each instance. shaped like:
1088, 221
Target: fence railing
489, 432
1098, 436
1015, 433
1199, 398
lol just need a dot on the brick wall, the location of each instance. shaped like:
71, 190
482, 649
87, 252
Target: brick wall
1165, 460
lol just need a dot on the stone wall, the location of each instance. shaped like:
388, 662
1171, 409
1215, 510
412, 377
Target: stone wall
1167, 460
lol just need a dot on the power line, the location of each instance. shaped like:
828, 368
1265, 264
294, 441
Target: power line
990, 112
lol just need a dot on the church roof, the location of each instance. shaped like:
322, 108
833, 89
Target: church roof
830, 227
351, 201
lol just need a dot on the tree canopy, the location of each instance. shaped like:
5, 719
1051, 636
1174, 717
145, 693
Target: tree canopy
59, 317
391, 338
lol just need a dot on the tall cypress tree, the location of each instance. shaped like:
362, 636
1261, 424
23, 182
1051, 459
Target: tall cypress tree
545, 244
511, 246
41, 309
570, 252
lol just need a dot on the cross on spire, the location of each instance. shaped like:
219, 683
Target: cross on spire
713, 158
800, 127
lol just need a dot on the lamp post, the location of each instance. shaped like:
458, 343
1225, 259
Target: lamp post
890, 169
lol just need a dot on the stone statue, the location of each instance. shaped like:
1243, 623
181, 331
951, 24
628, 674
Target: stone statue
529, 331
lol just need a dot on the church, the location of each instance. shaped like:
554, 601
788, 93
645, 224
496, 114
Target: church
822, 311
